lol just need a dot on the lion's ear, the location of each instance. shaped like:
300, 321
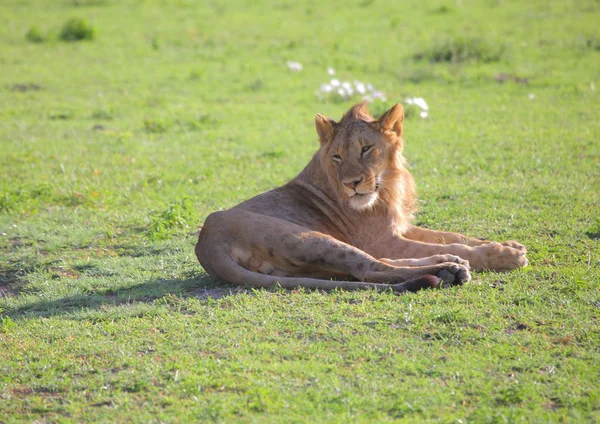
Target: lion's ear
325, 127
392, 120
359, 111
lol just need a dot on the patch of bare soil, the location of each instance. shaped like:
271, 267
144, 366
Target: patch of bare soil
8, 281
60, 271
502, 77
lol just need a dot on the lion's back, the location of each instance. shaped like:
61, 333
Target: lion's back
292, 204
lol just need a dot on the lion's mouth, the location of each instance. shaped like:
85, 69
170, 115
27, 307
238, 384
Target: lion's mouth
369, 193
364, 194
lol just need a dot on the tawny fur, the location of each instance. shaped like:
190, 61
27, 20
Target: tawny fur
345, 222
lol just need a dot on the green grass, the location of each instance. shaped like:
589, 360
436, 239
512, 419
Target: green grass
115, 149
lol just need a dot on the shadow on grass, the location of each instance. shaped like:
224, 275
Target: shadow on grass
135, 251
10, 279
594, 235
199, 286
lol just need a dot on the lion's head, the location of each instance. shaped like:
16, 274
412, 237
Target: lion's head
362, 157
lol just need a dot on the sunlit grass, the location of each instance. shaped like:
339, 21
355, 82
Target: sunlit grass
115, 149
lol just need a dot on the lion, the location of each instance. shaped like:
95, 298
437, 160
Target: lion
345, 222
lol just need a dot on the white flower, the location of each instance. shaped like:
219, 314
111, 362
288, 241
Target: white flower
326, 88
379, 95
418, 101
331, 71
346, 90
424, 114
347, 87
531, 96
360, 87
294, 66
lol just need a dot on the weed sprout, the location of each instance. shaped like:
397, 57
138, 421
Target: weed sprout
77, 29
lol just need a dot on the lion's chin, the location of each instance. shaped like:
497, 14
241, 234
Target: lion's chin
361, 202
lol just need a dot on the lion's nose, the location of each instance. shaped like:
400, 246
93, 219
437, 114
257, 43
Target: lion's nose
352, 183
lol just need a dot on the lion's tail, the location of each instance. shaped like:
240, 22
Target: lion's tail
224, 267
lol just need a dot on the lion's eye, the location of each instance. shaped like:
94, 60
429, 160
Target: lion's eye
337, 158
365, 149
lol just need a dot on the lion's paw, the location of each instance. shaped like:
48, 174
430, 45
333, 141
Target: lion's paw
499, 257
451, 258
453, 274
515, 245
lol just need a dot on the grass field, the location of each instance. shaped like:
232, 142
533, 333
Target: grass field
114, 149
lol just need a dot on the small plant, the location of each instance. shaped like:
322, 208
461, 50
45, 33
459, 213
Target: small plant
593, 42
177, 215
35, 35
196, 74
510, 395
103, 114
441, 10
77, 29
7, 325
202, 121
60, 115
79, 3
594, 231
156, 126
588, 42
462, 49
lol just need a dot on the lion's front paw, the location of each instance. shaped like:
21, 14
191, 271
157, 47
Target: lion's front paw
452, 258
515, 245
500, 257
453, 274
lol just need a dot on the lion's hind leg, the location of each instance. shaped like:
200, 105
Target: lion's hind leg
248, 248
